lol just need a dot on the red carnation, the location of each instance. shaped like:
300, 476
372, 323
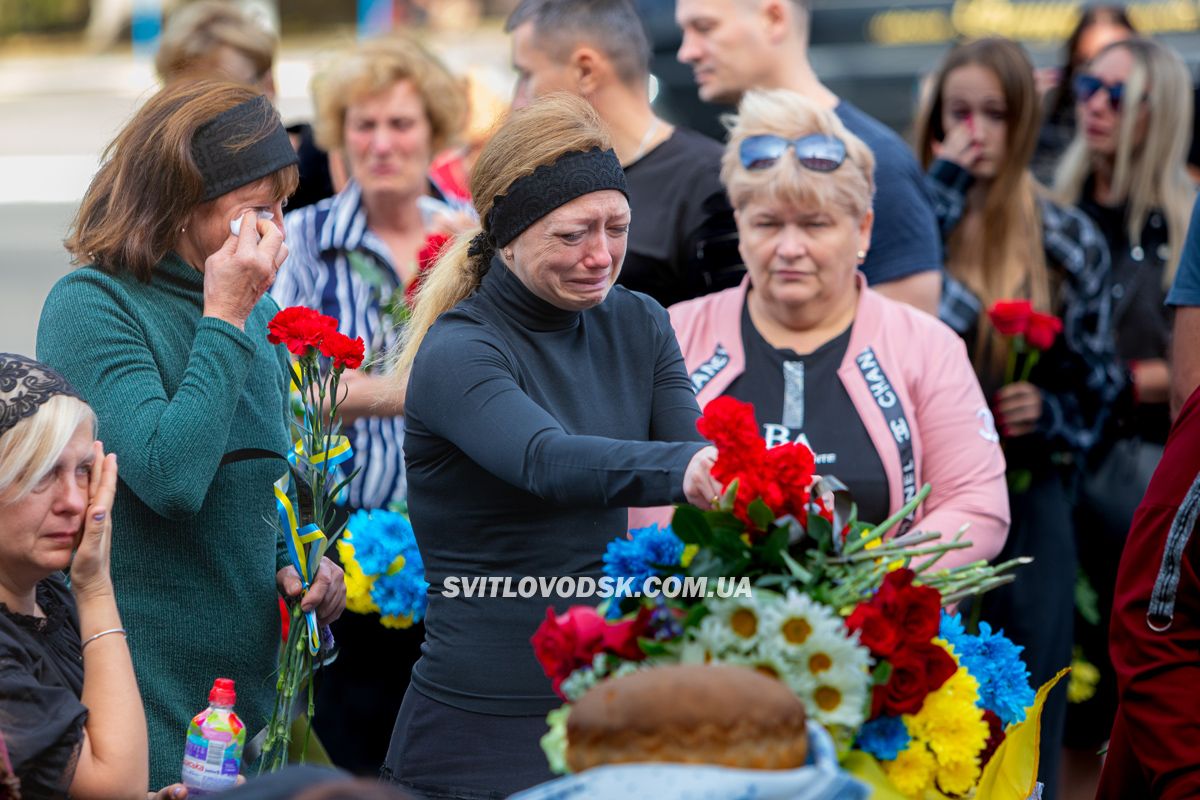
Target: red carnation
1010, 317
299, 329
345, 352
427, 258
780, 477
1043, 329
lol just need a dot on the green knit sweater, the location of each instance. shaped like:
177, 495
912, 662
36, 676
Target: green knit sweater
195, 543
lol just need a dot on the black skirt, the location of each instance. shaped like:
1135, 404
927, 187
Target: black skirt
439, 752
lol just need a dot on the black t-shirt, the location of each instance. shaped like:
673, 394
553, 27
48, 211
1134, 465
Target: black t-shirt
682, 238
800, 398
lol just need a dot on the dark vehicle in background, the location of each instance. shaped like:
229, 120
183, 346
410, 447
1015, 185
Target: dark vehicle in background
874, 54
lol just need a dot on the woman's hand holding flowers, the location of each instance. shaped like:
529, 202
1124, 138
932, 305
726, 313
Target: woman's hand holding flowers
240, 273
1018, 409
326, 595
699, 485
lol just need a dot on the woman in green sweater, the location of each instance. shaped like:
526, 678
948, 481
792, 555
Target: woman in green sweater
164, 333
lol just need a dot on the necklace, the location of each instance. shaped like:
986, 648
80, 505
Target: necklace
646, 139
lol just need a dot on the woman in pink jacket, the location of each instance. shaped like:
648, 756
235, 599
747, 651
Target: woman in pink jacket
883, 394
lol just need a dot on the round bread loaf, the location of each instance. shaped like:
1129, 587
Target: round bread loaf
692, 714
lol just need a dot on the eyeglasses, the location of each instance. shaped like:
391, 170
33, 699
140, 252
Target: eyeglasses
1087, 85
817, 152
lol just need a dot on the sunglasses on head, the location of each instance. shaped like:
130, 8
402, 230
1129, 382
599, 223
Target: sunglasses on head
1087, 85
817, 152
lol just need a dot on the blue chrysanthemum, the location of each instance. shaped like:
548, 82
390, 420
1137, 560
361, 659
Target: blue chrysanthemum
637, 556
379, 537
883, 738
994, 661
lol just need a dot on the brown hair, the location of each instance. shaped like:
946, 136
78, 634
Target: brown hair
375, 66
538, 134
195, 33
1009, 259
149, 183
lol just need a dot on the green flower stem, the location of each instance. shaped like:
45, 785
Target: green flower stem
929, 563
1031, 359
890, 522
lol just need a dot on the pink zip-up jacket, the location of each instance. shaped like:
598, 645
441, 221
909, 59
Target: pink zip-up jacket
954, 442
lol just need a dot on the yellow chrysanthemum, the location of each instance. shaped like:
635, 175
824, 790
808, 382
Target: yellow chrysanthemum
957, 777
393, 621
358, 585
950, 721
912, 771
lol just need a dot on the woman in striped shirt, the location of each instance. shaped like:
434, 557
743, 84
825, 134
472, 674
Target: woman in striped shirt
385, 108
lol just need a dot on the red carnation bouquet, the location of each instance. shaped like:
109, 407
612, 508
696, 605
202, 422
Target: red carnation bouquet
305, 498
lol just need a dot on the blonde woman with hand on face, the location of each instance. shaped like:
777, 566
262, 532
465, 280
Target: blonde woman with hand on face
69, 704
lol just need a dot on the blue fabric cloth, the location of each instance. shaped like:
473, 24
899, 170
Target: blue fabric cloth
905, 238
820, 779
1186, 289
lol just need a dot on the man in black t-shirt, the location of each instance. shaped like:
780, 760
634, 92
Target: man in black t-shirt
734, 46
682, 239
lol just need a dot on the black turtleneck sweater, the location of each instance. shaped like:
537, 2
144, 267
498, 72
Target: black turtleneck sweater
529, 431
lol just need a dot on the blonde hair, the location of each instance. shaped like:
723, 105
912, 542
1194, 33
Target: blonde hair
195, 33
31, 448
790, 115
538, 134
1153, 175
1009, 259
376, 65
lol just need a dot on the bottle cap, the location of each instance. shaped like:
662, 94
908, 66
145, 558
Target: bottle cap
222, 692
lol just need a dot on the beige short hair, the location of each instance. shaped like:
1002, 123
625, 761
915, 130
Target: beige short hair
375, 66
195, 32
30, 449
784, 113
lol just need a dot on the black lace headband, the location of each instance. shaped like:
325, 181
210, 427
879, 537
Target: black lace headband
549, 186
25, 385
224, 163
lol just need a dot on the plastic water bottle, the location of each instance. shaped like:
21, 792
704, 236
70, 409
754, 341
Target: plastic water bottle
212, 757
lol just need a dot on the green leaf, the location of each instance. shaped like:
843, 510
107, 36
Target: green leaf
760, 515
882, 673
821, 532
690, 526
1087, 602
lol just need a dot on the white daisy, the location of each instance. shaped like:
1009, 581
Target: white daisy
839, 697
709, 641
743, 616
766, 659
796, 619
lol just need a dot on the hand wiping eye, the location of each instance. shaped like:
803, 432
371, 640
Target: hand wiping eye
235, 225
